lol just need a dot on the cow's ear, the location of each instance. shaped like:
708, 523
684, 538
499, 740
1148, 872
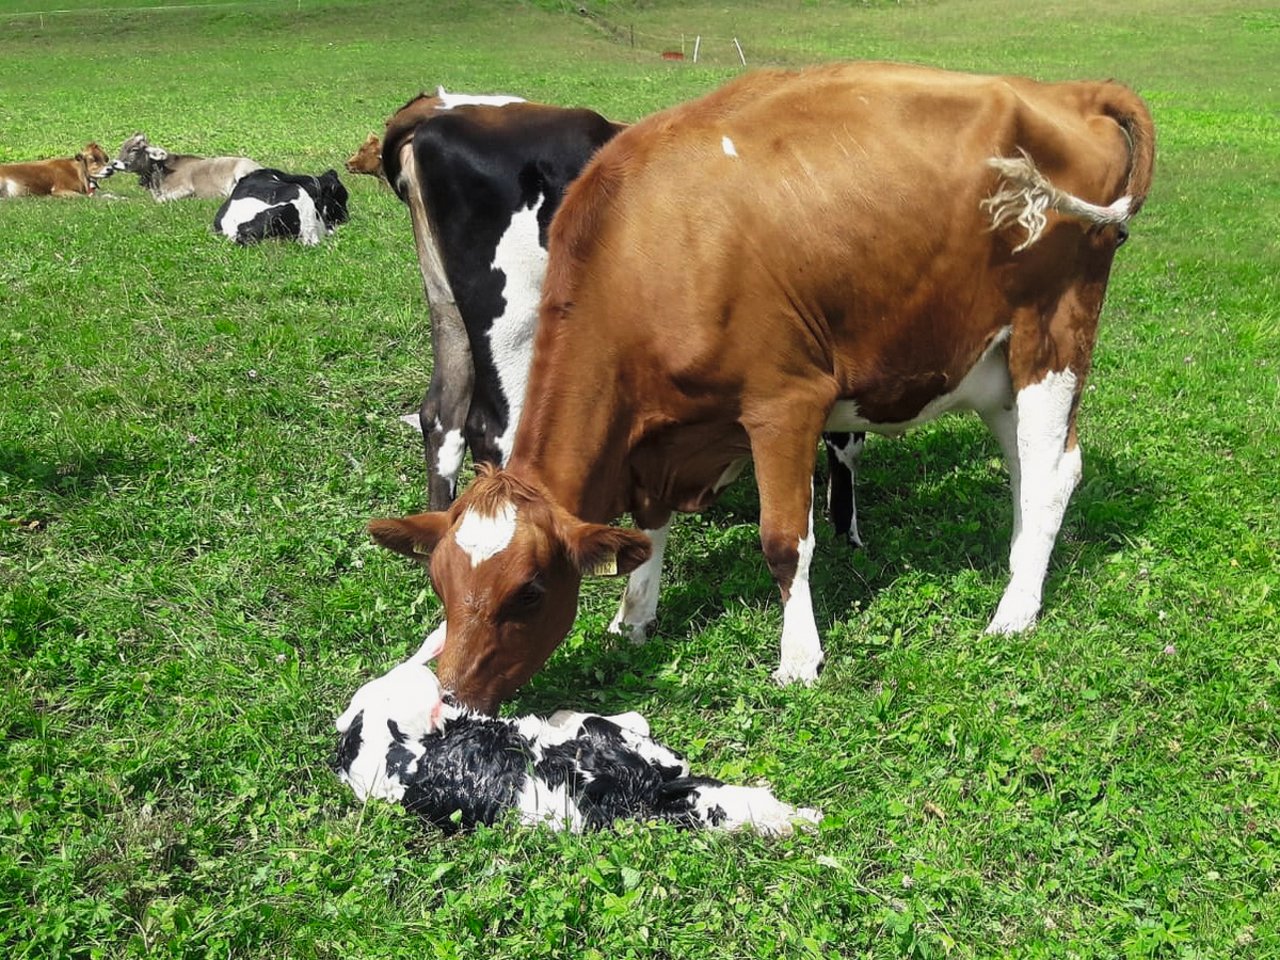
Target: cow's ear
597, 549
157, 153
414, 536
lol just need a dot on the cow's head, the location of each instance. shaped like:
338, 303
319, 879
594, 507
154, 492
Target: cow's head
507, 562
332, 202
97, 165
368, 159
137, 155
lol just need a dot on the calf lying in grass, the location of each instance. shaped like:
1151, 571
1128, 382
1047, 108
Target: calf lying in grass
401, 739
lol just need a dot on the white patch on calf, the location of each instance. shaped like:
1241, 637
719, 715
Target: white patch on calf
727, 146
523, 261
753, 807
482, 537
450, 100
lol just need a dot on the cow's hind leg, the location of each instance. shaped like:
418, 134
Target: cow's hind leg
443, 414
1044, 476
844, 452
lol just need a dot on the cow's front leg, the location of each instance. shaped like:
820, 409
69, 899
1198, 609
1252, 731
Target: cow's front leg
784, 462
443, 414
844, 452
639, 607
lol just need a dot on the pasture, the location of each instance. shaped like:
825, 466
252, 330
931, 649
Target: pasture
193, 435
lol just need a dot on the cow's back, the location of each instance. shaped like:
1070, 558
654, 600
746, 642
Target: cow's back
815, 205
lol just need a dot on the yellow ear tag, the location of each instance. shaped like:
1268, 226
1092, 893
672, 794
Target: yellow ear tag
421, 549
605, 567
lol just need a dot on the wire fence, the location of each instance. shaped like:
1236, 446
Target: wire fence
690, 46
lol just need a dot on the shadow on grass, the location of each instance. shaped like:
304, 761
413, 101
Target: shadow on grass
74, 477
935, 505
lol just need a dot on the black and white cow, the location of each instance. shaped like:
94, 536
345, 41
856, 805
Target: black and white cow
482, 177
272, 203
402, 740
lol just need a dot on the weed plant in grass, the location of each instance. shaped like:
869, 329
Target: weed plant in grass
192, 436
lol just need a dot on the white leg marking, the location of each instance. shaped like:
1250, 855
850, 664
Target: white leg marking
753, 807
523, 262
1048, 475
451, 450
801, 646
639, 604
481, 537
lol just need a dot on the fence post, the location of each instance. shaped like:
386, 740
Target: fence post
740, 53
696, 44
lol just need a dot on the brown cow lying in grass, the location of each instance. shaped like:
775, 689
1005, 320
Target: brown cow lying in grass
368, 159
58, 177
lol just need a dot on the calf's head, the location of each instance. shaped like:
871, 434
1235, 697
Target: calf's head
507, 562
332, 202
137, 155
368, 159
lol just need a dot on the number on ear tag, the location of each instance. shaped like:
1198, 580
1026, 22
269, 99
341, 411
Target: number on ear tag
604, 567
421, 549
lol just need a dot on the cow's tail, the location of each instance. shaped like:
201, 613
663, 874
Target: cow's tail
1025, 194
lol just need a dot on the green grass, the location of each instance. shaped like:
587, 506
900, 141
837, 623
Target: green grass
192, 437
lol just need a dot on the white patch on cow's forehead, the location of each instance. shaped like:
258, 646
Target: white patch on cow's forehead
450, 100
482, 537
727, 145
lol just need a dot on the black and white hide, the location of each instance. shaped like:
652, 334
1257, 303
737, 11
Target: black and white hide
401, 740
272, 203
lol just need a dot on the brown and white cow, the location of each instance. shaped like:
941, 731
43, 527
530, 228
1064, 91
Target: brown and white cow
59, 177
851, 247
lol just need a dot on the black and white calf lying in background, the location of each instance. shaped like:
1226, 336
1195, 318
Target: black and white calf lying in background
272, 203
401, 740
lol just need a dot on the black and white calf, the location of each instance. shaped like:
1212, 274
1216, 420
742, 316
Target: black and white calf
272, 203
401, 740
482, 177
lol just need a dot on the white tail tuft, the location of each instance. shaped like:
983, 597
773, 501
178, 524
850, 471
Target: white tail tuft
1025, 194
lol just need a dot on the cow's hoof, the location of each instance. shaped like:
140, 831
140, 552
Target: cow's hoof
637, 633
1017, 612
798, 670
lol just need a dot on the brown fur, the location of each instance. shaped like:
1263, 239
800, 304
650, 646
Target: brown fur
55, 178
368, 159
701, 307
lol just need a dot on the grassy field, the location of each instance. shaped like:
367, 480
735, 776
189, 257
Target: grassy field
192, 437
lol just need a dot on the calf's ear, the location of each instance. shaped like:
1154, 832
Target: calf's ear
414, 536
597, 549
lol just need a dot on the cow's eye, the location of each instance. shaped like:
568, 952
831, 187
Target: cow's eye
528, 597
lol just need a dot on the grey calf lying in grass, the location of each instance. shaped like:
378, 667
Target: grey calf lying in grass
402, 740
